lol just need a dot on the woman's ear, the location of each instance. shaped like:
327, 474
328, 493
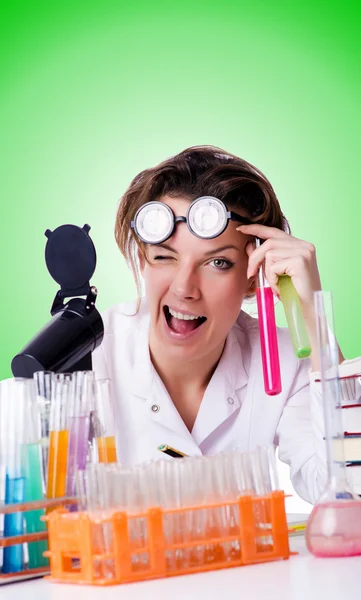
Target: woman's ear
252, 286
141, 259
252, 282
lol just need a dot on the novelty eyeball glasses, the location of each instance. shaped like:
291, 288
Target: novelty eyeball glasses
207, 217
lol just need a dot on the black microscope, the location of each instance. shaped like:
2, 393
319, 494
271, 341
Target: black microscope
66, 342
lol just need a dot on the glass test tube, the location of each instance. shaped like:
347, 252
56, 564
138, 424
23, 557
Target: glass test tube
43, 380
295, 321
33, 472
334, 526
13, 405
268, 335
98, 500
331, 392
227, 515
80, 404
104, 422
59, 436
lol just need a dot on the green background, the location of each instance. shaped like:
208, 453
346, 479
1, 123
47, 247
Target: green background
93, 92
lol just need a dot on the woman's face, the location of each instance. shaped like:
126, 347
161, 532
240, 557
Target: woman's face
194, 288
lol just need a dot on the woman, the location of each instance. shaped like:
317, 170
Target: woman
185, 361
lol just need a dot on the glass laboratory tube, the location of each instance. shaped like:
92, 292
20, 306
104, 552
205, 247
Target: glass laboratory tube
59, 435
268, 335
295, 320
99, 502
33, 473
14, 393
262, 483
104, 422
228, 515
78, 421
334, 526
212, 516
43, 381
166, 496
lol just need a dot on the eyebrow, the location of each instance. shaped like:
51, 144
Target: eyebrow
209, 253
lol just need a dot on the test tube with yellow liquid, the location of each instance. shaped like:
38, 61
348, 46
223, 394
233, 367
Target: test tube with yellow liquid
104, 423
59, 436
295, 320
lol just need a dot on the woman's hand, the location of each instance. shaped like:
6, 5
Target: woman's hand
283, 254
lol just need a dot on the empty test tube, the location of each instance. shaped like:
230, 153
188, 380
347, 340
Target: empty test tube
260, 475
43, 381
99, 495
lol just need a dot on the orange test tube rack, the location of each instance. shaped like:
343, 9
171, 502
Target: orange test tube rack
76, 556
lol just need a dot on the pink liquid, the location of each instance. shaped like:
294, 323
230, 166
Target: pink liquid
269, 343
334, 529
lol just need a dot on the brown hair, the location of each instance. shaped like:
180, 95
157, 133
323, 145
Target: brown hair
197, 171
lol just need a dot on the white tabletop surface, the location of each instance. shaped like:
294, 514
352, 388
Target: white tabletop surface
302, 577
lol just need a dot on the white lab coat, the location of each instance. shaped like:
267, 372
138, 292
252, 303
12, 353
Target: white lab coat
235, 411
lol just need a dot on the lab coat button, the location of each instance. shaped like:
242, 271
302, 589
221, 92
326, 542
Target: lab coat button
230, 400
155, 408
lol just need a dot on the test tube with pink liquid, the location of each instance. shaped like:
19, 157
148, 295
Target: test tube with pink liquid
268, 334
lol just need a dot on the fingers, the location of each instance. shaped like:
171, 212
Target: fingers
250, 247
272, 250
291, 266
273, 271
262, 231
281, 253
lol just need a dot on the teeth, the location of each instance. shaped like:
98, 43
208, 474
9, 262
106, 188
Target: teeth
178, 315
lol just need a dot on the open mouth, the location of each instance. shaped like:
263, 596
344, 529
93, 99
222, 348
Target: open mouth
180, 324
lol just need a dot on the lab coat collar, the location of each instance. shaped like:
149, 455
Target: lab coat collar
142, 370
220, 399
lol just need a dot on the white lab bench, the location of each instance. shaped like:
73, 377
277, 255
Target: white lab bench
302, 577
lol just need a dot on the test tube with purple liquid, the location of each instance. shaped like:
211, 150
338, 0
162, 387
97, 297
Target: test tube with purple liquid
78, 426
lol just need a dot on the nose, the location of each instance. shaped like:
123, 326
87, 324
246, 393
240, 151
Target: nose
185, 284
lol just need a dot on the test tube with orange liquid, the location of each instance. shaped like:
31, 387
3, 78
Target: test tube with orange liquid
59, 436
104, 423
